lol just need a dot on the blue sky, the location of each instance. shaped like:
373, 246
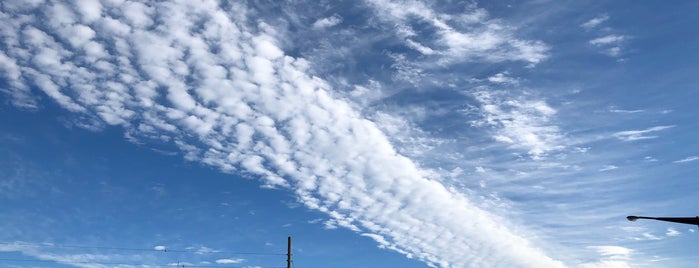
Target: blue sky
377, 133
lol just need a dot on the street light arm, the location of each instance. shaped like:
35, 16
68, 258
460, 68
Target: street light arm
684, 220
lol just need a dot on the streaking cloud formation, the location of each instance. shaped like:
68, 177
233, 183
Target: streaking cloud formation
448, 134
215, 83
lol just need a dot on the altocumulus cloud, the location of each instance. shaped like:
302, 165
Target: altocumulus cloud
204, 77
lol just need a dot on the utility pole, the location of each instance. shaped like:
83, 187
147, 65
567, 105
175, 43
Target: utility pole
288, 252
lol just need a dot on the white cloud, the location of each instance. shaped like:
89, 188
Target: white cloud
226, 95
522, 123
84, 260
205, 250
419, 47
160, 248
10, 71
229, 261
608, 168
613, 51
607, 264
672, 232
616, 252
688, 159
327, 22
582, 150
379, 239
482, 40
590, 24
634, 135
650, 236
610, 44
611, 257
625, 111
607, 40
502, 78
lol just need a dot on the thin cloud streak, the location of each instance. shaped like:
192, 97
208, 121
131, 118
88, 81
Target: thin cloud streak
672, 232
634, 135
72, 259
592, 23
611, 44
607, 40
688, 159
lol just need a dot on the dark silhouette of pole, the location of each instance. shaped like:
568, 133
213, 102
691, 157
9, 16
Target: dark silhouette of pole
684, 220
288, 252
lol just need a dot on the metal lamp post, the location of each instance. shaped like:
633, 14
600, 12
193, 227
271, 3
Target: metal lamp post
684, 220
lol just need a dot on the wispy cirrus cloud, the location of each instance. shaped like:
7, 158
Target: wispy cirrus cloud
83, 260
615, 252
503, 78
230, 261
611, 44
608, 40
688, 159
83, 256
485, 40
521, 123
672, 232
650, 236
611, 256
219, 86
645, 134
594, 22
621, 111
608, 168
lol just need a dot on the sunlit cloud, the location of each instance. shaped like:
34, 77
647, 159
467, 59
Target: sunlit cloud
688, 159
611, 256
608, 168
502, 78
672, 232
650, 236
594, 22
327, 22
610, 44
229, 261
634, 135
626, 111
490, 41
607, 40
522, 123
